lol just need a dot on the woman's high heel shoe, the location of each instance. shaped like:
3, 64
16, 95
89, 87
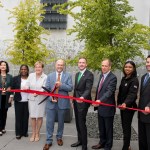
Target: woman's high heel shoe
32, 138
37, 137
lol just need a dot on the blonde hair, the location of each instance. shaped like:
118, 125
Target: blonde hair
39, 63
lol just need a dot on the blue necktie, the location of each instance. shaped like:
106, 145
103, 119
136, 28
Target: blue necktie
146, 79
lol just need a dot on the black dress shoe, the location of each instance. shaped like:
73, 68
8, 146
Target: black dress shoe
26, 135
76, 144
18, 137
1, 133
84, 148
98, 146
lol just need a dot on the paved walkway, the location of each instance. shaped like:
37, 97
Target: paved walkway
9, 142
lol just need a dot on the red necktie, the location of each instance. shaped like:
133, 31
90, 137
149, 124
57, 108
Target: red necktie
101, 83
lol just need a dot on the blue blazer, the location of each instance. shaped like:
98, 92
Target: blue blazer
64, 89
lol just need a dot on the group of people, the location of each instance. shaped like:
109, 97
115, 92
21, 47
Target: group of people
24, 103
60, 82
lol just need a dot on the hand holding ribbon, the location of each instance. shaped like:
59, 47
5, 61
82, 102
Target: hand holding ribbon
122, 106
80, 101
98, 103
147, 110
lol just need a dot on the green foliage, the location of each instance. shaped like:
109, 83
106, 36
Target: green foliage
108, 31
28, 46
1, 4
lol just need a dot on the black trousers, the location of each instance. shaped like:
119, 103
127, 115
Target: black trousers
106, 131
80, 117
126, 120
21, 118
144, 135
3, 113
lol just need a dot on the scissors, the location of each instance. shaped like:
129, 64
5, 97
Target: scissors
47, 90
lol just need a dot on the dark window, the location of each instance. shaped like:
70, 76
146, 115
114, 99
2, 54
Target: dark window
52, 19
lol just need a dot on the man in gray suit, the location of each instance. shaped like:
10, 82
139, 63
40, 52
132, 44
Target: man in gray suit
63, 81
144, 103
106, 93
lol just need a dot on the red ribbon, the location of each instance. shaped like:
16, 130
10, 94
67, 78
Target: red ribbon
73, 98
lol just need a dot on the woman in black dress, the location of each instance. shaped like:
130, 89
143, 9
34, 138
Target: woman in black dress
6, 97
21, 103
127, 98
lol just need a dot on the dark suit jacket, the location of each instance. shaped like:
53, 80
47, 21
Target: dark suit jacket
107, 95
83, 88
17, 85
144, 99
128, 91
8, 84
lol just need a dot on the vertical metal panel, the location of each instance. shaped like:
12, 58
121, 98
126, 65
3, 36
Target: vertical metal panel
52, 19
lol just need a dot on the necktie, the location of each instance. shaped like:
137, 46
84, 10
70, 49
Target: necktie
146, 79
101, 83
58, 80
79, 76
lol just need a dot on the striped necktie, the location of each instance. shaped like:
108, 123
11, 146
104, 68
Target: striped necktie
101, 83
146, 79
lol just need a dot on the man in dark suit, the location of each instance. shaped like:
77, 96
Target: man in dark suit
83, 85
106, 93
144, 103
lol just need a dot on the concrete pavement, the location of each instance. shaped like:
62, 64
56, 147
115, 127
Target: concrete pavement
9, 142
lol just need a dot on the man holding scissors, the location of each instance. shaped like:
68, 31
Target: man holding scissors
62, 81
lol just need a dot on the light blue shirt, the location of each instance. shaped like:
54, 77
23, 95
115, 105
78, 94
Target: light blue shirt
105, 75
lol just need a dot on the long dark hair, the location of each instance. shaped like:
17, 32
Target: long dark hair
134, 73
26, 68
7, 66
